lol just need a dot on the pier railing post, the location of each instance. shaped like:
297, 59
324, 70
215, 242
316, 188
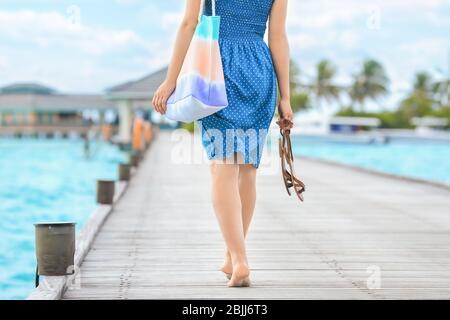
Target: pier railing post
148, 134
55, 249
124, 171
135, 157
105, 191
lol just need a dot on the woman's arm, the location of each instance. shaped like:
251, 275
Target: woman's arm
182, 42
279, 47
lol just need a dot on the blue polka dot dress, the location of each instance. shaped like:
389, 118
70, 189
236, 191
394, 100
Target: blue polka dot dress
250, 81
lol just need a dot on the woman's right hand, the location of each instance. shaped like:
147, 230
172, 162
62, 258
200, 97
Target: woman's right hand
161, 96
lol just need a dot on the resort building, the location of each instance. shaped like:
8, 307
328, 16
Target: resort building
30, 108
134, 97
33, 108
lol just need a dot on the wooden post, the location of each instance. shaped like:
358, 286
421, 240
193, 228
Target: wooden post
105, 191
135, 158
124, 171
55, 248
147, 133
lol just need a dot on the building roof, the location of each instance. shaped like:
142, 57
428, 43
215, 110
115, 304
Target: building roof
32, 96
53, 102
140, 89
22, 88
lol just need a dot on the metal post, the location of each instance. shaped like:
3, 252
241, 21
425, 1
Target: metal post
55, 248
124, 171
105, 191
135, 158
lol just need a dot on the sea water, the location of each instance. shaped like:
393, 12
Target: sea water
44, 180
415, 158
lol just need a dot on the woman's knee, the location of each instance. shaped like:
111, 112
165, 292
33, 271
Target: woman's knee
247, 171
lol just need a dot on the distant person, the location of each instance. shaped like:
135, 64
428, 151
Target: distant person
85, 135
86, 145
251, 70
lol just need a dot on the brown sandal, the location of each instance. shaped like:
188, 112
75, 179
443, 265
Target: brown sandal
286, 156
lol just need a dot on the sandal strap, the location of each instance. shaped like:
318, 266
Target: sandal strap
286, 155
285, 124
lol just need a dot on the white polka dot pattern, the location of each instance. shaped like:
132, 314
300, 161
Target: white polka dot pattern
250, 82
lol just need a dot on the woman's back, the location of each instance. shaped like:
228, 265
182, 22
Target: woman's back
250, 79
241, 18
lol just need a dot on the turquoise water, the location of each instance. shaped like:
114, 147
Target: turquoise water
422, 159
44, 180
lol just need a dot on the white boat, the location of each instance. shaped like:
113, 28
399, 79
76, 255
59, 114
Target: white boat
337, 129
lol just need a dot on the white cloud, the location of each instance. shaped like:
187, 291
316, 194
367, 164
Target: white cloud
171, 20
127, 2
68, 56
103, 55
426, 54
344, 40
153, 15
44, 29
21, 23
320, 14
3, 62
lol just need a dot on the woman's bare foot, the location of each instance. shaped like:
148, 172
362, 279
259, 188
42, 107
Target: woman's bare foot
227, 267
240, 276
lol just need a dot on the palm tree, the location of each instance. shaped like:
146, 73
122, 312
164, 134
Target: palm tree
322, 85
369, 84
299, 97
419, 103
300, 101
294, 73
441, 90
437, 92
422, 85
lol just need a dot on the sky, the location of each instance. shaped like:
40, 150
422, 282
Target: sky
89, 45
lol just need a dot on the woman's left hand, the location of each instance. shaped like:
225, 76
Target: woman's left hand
161, 96
285, 110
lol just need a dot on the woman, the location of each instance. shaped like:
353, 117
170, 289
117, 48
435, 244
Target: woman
251, 70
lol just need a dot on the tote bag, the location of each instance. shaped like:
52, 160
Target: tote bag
200, 89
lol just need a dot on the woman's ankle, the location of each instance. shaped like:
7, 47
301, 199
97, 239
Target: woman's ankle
243, 264
241, 270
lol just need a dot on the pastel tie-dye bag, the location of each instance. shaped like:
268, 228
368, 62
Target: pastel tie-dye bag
200, 89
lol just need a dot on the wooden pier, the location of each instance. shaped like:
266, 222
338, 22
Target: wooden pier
358, 235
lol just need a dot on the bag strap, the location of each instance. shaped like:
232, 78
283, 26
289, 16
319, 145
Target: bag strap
202, 8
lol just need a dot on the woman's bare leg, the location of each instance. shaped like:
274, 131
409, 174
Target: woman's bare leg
247, 194
227, 206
